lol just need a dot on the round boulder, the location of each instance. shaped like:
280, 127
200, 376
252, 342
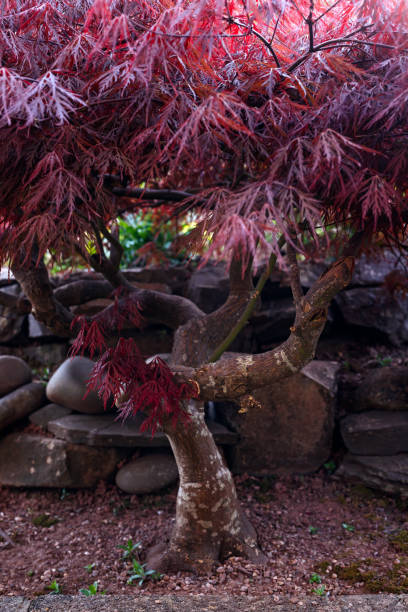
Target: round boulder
147, 474
14, 373
68, 387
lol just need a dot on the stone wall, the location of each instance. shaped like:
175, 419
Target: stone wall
289, 427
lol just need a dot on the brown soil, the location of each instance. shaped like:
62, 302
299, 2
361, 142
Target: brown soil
351, 537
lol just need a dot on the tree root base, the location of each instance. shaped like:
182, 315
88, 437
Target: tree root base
166, 558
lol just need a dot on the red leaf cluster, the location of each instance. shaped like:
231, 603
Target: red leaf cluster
122, 374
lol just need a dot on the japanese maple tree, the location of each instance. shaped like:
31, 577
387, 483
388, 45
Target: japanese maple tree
282, 124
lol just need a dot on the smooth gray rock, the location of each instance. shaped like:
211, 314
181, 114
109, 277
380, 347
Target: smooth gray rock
383, 389
14, 372
48, 413
68, 386
39, 461
104, 430
147, 474
290, 429
388, 474
20, 403
376, 432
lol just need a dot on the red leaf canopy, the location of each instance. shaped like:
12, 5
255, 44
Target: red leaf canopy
279, 116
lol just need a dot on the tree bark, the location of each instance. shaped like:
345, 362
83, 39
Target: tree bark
210, 525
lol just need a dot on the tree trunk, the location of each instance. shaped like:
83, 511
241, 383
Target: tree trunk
210, 525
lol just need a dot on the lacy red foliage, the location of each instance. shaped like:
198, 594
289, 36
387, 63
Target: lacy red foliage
276, 114
123, 375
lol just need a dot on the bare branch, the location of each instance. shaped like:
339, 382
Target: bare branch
335, 41
310, 25
164, 195
258, 35
327, 11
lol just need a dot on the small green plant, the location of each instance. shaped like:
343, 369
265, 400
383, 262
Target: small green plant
130, 549
64, 494
140, 573
54, 587
43, 373
89, 567
329, 466
30, 573
384, 361
315, 578
44, 520
92, 590
347, 527
320, 590
313, 530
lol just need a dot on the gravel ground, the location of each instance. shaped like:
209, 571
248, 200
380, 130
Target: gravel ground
322, 537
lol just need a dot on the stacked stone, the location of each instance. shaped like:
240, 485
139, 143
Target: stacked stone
82, 443
376, 434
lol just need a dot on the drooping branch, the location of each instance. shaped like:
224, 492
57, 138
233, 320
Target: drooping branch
232, 378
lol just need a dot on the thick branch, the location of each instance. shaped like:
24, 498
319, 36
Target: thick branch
35, 283
232, 378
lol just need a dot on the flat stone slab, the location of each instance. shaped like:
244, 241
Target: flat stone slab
377, 432
95, 430
48, 413
203, 603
